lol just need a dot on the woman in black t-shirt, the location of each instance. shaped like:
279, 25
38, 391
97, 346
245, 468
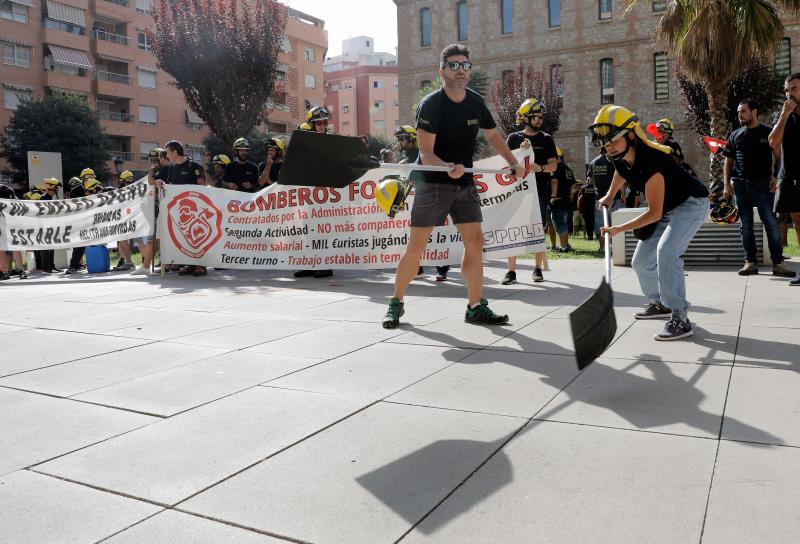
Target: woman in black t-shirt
677, 206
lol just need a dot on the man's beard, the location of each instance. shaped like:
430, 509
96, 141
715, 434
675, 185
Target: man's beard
452, 83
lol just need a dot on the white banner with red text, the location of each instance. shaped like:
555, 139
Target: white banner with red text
293, 227
116, 215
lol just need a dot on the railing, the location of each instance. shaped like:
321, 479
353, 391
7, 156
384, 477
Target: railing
124, 3
22, 63
273, 105
144, 46
114, 78
100, 34
195, 127
114, 116
124, 155
61, 25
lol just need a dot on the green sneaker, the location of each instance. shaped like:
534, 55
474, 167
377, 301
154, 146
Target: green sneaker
483, 314
392, 318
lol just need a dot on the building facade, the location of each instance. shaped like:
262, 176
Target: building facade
602, 55
361, 90
99, 49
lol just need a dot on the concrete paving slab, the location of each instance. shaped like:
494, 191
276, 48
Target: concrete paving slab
38, 348
769, 347
674, 398
109, 368
240, 335
494, 382
178, 389
297, 302
569, 483
767, 289
455, 332
175, 458
35, 428
393, 463
373, 372
545, 335
169, 324
171, 527
420, 310
757, 314
754, 496
763, 406
711, 344
39, 509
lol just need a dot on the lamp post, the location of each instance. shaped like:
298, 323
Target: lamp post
118, 167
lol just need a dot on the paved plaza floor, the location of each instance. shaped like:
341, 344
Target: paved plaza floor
250, 407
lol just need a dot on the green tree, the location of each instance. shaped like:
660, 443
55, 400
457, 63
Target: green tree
712, 40
59, 123
223, 55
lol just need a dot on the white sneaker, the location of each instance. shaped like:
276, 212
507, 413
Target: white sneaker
141, 271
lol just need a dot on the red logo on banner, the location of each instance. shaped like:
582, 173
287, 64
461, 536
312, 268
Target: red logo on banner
194, 223
714, 145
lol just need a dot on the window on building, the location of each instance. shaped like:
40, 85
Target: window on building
605, 9
148, 115
311, 81
308, 54
425, 27
377, 84
14, 95
396, 84
16, 55
783, 57
606, 81
507, 77
379, 124
659, 6
396, 103
554, 13
425, 84
346, 128
377, 105
557, 80
142, 41
286, 44
281, 73
143, 6
507, 16
661, 75
147, 78
196, 152
144, 149
345, 108
462, 19
11, 11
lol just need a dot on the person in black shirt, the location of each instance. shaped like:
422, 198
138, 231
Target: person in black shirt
561, 202
270, 169
601, 171
448, 122
530, 115
748, 175
665, 128
677, 207
786, 134
241, 174
587, 200
218, 165
77, 189
7, 257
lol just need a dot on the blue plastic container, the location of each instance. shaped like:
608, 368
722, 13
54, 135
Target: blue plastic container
97, 259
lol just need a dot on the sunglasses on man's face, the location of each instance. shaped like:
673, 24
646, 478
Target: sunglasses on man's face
322, 122
536, 116
454, 65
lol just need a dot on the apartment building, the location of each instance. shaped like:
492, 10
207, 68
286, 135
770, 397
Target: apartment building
602, 55
99, 49
361, 89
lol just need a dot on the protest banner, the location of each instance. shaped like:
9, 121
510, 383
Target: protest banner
291, 227
121, 214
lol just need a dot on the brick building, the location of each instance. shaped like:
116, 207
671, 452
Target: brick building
99, 49
361, 89
603, 56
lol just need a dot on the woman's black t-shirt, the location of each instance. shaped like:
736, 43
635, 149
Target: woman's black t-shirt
679, 184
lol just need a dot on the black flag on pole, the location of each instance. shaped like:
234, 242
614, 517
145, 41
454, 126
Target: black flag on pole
324, 160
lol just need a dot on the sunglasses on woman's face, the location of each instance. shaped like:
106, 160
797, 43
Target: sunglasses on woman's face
455, 65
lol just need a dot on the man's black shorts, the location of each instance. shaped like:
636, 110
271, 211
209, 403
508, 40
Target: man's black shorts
433, 202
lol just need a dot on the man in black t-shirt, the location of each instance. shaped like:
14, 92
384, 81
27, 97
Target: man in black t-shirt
242, 172
270, 169
530, 115
665, 128
448, 122
748, 175
601, 171
6, 192
561, 202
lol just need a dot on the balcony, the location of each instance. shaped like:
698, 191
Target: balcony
64, 34
100, 34
123, 3
123, 79
114, 116
114, 84
67, 80
115, 10
127, 156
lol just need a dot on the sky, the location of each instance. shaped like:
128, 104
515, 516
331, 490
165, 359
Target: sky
349, 18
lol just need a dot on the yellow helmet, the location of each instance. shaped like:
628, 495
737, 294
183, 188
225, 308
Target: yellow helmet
528, 108
126, 176
391, 194
31, 195
87, 172
40, 188
559, 153
665, 125
51, 183
277, 143
613, 122
305, 126
318, 113
222, 159
92, 184
241, 143
406, 130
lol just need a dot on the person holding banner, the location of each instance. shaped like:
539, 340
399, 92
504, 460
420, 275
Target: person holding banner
45, 258
270, 169
448, 122
242, 173
77, 189
677, 207
530, 115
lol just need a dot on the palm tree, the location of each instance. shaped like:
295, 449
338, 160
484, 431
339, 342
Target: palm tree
713, 40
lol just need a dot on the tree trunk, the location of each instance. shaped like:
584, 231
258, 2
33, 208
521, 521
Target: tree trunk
718, 102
